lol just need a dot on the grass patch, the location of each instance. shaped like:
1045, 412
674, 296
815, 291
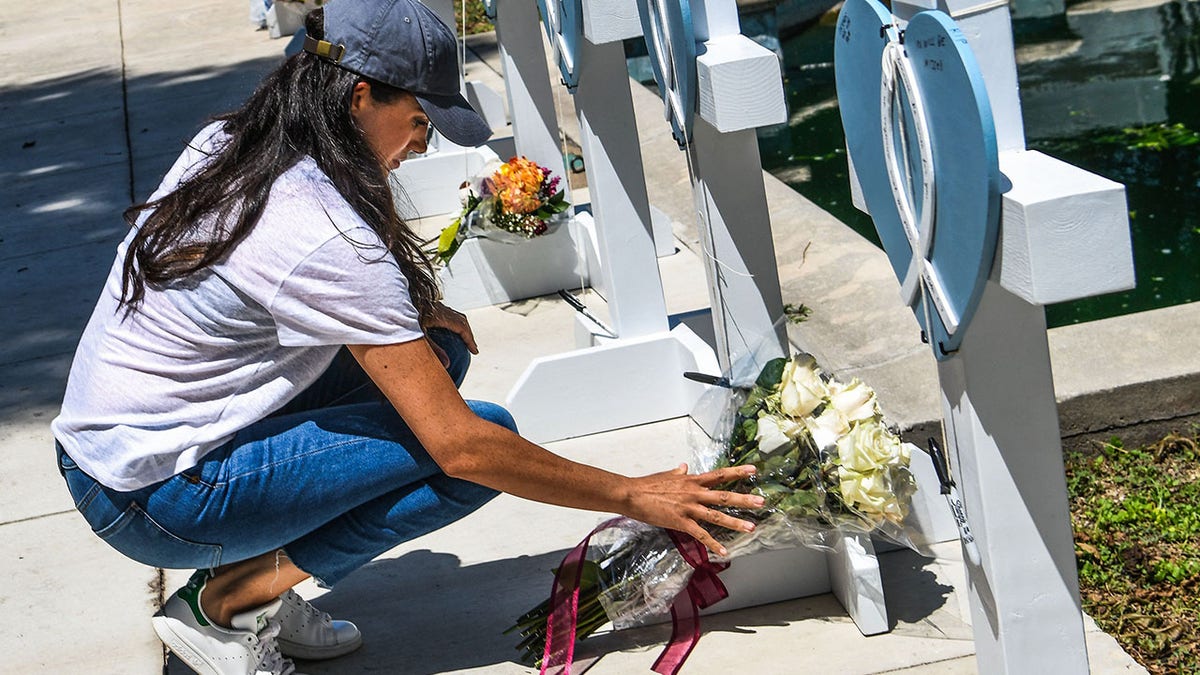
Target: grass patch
1136, 515
477, 20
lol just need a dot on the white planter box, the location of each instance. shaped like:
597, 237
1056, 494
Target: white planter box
429, 184
485, 272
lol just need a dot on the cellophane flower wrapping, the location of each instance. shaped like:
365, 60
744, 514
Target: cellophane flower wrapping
827, 466
509, 202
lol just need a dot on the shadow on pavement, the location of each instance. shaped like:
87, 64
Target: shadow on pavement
912, 592
68, 174
424, 612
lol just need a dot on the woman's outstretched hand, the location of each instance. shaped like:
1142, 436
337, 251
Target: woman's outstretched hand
681, 501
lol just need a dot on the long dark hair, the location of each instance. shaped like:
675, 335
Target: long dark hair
302, 108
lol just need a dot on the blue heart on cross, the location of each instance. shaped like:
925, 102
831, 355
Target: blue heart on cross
922, 143
563, 20
671, 45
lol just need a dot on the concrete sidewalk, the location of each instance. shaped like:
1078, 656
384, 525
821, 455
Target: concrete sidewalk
97, 102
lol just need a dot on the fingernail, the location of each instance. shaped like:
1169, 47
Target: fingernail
749, 527
750, 469
722, 551
759, 501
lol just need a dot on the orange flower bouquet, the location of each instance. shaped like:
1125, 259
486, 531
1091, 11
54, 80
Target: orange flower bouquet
509, 202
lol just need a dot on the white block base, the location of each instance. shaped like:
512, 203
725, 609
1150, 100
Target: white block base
485, 272
851, 573
773, 576
429, 183
854, 576
616, 384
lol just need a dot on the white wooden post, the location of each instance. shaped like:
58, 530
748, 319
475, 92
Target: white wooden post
636, 376
527, 81
617, 184
1064, 235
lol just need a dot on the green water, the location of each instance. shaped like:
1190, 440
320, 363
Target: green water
1117, 93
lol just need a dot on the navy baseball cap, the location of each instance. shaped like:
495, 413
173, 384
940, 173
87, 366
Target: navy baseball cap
404, 44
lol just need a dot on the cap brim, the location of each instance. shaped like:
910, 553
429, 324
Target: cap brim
455, 119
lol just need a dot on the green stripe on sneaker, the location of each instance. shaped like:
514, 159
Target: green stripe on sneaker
191, 595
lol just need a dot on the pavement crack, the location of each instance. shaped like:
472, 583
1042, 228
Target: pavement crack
37, 517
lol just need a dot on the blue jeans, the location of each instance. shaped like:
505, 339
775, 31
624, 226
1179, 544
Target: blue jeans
334, 478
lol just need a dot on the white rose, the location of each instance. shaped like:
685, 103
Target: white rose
855, 401
869, 446
869, 492
803, 389
771, 434
826, 428
465, 193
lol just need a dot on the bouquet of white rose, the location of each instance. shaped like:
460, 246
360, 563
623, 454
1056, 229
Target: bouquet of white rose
826, 465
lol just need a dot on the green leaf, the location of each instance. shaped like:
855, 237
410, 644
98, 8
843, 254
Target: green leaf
749, 429
801, 502
448, 242
557, 203
771, 374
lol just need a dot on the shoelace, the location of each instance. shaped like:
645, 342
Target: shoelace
307, 607
270, 660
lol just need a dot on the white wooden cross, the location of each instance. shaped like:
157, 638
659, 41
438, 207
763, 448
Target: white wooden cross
1063, 235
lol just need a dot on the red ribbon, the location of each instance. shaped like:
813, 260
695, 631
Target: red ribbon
703, 589
564, 607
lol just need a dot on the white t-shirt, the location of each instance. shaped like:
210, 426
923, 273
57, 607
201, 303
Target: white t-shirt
151, 392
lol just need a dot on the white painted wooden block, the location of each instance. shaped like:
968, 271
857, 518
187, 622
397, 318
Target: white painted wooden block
1064, 231
429, 183
771, 576
485, 272
487, 103
610, 20
740, 85
854, 577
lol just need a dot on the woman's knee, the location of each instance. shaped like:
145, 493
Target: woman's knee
494, 413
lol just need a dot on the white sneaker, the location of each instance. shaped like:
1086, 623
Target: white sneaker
249, 648
306, 632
